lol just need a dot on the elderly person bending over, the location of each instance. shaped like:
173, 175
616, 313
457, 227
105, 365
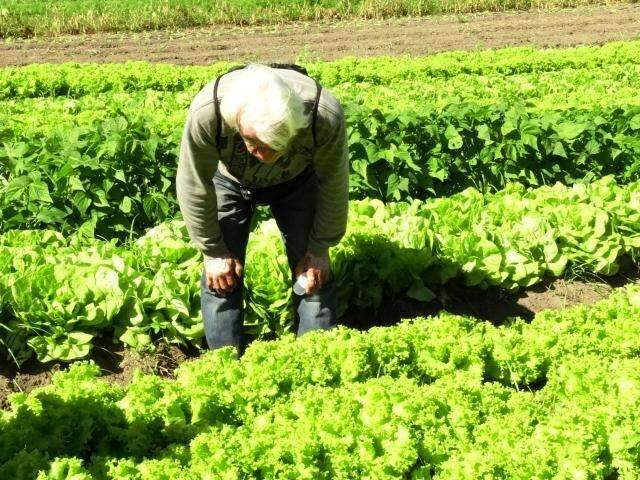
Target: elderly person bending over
263, 136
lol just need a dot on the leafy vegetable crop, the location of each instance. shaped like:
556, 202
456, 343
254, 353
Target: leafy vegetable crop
114, 170
75, 80
438, 398
96, 145
62, 291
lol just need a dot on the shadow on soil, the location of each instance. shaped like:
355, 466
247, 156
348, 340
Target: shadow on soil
116, 361
496, 305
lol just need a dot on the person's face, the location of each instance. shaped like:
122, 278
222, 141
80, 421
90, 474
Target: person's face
258, 149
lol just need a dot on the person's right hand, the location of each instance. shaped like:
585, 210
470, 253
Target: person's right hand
223, 274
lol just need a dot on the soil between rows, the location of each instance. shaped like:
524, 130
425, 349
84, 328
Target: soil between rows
330, 41
119, 363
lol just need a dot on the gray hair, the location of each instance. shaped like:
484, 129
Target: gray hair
259, 98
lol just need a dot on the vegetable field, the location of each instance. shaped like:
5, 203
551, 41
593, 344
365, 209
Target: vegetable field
105, 138
492, 169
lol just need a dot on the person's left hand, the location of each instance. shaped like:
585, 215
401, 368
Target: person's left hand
317, 269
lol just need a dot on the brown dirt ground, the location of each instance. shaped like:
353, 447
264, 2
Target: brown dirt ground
118, 365
329, 41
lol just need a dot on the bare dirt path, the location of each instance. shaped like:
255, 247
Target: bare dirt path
329, 41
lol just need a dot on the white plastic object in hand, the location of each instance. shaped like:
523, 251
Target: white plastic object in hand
216, 265
300, 287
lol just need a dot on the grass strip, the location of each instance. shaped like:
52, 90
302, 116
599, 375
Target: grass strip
20, 18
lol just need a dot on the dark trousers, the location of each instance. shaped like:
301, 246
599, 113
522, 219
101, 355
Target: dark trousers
292, 205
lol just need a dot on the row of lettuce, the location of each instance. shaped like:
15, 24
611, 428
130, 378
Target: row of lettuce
74, 80
60, 293
441, 398
571, 87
